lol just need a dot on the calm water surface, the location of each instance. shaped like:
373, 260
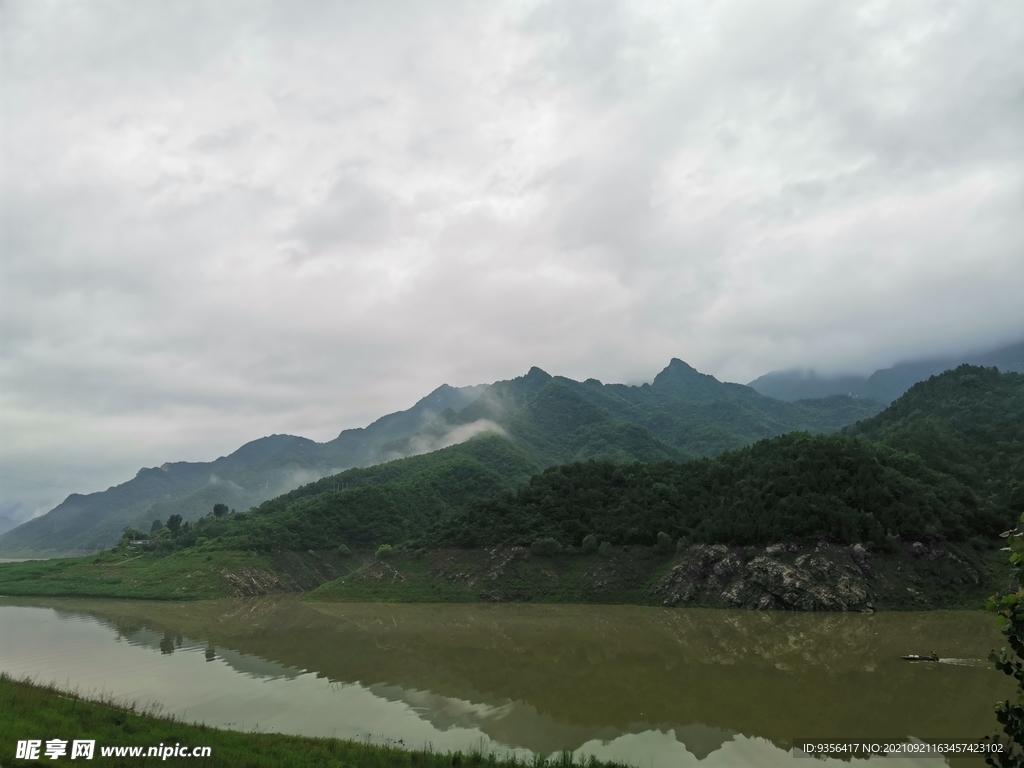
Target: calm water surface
655, 687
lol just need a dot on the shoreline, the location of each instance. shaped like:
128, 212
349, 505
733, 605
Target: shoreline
779, 577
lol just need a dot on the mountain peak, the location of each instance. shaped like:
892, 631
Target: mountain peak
678, 369
675, 364
682, 378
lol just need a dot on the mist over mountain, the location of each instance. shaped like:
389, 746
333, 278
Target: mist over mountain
259, 470
682, 414
941, 464
884, 385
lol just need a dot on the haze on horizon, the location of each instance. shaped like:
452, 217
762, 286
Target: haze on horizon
221, 221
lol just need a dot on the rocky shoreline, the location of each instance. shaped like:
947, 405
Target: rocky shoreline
788, 577
782, 576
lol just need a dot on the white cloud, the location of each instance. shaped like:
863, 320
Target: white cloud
444, 436
226, 220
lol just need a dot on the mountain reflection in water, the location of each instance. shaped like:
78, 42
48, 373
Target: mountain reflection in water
545, 678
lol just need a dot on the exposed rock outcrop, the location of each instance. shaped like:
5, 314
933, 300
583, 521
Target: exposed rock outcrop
824, 580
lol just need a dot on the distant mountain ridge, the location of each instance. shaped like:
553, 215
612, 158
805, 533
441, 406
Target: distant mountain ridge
884, 385
944, 463
6, 524
259, 470
682, 414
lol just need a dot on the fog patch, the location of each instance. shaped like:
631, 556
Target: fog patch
300, 477
444, 436
221, 482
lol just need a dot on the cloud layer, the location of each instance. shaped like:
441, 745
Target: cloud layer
230, 219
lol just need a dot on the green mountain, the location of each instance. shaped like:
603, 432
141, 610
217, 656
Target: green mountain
945, 462
886, 479
257, 471
884, 385
793, 488
514, 429
967, 423
682, 414
360, 508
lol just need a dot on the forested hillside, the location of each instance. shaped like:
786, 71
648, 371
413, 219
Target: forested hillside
797, 487
944, 462
967, 423
683, 414
360, 508
887, 480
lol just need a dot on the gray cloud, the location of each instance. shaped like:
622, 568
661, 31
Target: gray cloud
225, 220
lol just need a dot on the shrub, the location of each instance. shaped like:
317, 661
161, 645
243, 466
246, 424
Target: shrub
384, 551
664, 544
605, 549
589, 544
682, 545
344, 551
545, 547
1010, 661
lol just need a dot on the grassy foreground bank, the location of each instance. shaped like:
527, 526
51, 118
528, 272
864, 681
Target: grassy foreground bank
41, 712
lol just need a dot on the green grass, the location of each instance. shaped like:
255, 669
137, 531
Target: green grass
185, 575
40, 712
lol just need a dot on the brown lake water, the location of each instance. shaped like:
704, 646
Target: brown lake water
656, 687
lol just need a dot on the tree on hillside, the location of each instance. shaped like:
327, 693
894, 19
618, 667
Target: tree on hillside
174, 523
131, 534
156, 526
1010, 609
219, 510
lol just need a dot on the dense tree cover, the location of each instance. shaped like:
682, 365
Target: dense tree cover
491, 451
798, 487
387, 503
943, 463
559, 426
967, 423
683, 414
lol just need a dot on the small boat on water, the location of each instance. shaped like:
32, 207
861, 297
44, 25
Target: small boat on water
914, 657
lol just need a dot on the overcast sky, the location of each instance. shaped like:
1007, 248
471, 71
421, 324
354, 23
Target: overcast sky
223, 220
